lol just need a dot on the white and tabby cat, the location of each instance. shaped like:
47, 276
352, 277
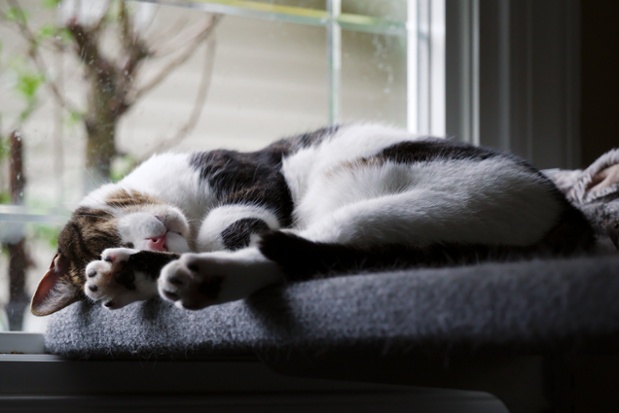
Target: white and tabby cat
206, 228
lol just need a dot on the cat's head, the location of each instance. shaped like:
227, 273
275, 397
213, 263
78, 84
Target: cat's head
118, 218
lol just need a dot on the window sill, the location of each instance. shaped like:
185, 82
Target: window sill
32, 381
17, 342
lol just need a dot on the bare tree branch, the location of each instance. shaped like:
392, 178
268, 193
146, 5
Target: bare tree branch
168, 35
182, 58
200, 99
134, 47
102, 22
38, 60
126, 31
87, 50
169, 45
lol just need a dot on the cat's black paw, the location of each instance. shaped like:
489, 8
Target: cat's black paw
113, 282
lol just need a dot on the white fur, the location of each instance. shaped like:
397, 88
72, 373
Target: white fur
426, 203
243, 272
209, 238
348, 144
107, 289
419, 203
337, 200
168, 177
155, 221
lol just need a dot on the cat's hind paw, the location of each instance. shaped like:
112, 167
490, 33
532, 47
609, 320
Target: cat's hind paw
196, 281
190, 282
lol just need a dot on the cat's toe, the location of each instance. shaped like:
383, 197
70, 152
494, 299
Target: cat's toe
117, 256
112, 282
97, 274
188, 284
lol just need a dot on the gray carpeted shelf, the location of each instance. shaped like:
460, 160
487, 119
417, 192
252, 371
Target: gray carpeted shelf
529, 332
519, 307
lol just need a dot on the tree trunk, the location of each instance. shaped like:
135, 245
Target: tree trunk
101, 121
16, 246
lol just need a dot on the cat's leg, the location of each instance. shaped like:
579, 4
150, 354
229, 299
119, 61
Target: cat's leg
418, 227
198, 280
229, 266
425, 217
235, 226
124, 275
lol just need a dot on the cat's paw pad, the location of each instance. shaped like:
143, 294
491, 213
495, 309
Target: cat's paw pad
191, 282
103, 281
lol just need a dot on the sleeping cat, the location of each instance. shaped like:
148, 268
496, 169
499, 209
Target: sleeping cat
206, 228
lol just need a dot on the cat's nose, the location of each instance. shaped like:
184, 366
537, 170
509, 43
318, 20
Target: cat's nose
157, 243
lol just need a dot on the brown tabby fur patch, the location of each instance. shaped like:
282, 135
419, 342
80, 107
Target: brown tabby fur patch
91, 230
84, 237
123, 199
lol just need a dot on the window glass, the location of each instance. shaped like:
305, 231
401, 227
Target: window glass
373, 77
192, 76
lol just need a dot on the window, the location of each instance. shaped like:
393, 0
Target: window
475, 69
261, 70
502, 74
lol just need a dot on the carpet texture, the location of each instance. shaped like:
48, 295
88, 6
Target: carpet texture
506, 307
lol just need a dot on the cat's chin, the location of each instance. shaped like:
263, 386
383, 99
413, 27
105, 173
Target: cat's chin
176, 243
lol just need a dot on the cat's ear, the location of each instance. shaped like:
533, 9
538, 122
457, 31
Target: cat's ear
54, 292
604, 179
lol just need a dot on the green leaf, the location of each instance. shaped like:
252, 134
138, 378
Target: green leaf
64, 35
28, 84
47, 32
17, 15
75, 117
4, 148
46, 233
51, 4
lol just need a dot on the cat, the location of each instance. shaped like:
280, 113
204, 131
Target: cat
206, 228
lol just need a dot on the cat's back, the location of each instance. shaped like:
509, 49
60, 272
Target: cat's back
335, 146
496, 197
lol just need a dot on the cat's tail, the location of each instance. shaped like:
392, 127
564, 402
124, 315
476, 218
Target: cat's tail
302, 259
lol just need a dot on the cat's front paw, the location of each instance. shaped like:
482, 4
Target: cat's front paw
191, 282
114, 283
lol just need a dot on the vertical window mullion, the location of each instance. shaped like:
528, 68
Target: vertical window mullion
334, 50
426, 66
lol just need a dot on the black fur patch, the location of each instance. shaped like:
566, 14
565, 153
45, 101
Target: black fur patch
151, 262
237, 235
305, 140
301, 259
431, 149
126, 278
211, 287
255, 177
148, 263
247, 178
